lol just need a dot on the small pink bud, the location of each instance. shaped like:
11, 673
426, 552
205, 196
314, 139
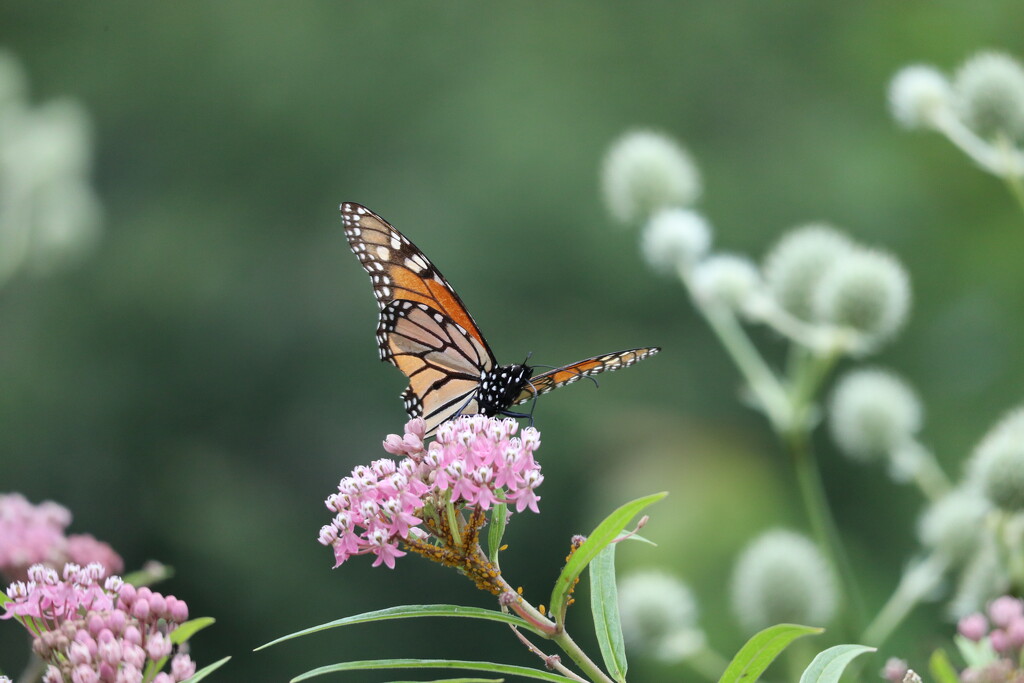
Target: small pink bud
157, 604
973, 627
96, 624
140, 609
1004, 610
1015, 633
126, 596
84, 674
895, 669
117, 621
179, 611
182, 666
78, 653
133, 635
1000, 641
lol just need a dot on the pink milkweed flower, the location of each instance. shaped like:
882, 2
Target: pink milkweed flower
474, 461
34, 534
86, 630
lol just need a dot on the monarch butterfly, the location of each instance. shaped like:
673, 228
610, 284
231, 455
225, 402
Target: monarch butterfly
427, 333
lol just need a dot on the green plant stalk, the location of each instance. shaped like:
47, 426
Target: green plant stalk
562, 639
914, 585
823, 526
760, 378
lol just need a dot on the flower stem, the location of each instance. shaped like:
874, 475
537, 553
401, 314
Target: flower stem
561, 638
918, 581
823, 526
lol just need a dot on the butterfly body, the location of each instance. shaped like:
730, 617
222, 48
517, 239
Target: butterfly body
427, 333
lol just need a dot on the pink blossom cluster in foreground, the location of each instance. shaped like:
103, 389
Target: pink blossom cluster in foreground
91, 629
475, 460
1002, 626
34, 534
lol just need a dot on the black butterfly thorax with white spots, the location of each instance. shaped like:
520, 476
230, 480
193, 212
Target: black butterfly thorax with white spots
501, 386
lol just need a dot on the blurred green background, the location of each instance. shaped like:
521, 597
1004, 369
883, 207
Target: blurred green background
194, 389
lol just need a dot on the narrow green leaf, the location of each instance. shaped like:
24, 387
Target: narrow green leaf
604, 604
829, 665
506, 669
206, 671
4, 599
407, 612
190, 628
606, 532
942, 669
761, 650
499, 518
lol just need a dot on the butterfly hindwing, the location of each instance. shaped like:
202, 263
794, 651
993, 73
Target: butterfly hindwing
442, 361
559, 377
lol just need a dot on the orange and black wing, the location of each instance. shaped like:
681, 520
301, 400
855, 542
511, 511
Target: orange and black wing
424, 330
400, 271
559, 377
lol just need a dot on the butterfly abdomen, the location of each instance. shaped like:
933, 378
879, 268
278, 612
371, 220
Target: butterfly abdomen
500, 386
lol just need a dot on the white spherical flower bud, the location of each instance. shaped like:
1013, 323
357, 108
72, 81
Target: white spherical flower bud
918, 94
950, 525
726, 279
782, 577
868, 291
646, 171
795, 265
872, 413
659, 616
675, 238
997, 465
989, 90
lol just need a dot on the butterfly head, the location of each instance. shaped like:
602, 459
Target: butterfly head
500, 386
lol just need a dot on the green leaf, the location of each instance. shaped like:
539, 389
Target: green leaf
506, 669
206, 671
606, 532
499, 518
976, 655
410, 611
828, 666
761, 650
604, 604
190, 628
942, 669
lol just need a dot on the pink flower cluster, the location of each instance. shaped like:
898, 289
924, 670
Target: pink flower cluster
1003, 626
475, 460
90, 632
34, 534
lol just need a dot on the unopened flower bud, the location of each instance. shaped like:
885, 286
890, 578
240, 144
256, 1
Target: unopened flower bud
675, 238
782, 577
989, 91
872, 413
646, 171
867, 291
726, 279
998, 463
795, 265
917, 94
659, 615
950, 525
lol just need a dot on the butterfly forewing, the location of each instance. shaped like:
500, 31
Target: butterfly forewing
559, 377
400, 271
